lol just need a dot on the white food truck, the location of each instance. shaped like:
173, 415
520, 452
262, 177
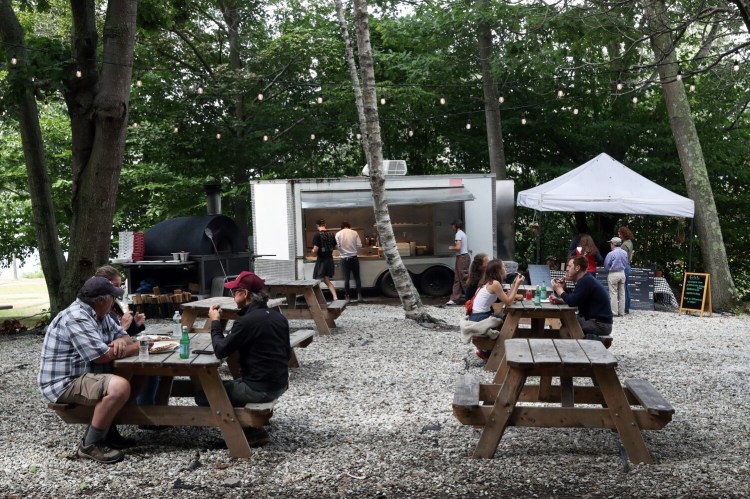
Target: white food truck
422, 209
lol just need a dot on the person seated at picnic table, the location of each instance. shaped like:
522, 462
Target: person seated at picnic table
616, 262
490, 290
134, 324
592, 300
80, 343
261, 337
476, 273
587, 248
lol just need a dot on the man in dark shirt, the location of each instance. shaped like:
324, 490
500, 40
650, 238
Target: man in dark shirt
261, 337
592, 300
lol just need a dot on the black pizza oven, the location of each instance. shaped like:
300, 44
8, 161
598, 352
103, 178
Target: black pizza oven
208, 261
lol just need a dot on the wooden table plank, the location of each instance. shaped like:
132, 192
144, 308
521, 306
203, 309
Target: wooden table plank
571, 353
518, 353
544, 352
597, 353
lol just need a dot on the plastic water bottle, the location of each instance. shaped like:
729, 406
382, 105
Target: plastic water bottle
185, 344
538, 296
143, 347
176, 326
543, 296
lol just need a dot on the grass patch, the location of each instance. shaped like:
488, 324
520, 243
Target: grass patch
29, 299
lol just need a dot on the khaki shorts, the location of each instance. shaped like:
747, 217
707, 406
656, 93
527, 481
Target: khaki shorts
88, 389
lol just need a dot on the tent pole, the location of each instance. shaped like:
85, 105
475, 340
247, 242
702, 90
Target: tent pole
690, 246
539, 240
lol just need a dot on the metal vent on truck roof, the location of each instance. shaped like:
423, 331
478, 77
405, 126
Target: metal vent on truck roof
390, 167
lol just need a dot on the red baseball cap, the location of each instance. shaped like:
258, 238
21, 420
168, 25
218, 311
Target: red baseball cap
246, 280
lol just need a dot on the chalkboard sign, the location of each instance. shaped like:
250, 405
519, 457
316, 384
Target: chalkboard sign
696, 293
539, 274
640, 285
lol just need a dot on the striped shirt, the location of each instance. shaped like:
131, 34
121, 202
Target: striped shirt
74, 339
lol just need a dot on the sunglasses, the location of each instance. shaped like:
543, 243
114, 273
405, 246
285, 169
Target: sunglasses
235, 290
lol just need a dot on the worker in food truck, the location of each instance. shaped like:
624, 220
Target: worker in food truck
463, 260
324, 243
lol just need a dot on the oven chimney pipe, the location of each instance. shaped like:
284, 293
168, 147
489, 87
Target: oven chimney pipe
213, 198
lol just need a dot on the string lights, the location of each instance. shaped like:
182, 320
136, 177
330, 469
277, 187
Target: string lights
79, 73
468, 124
501, 99
442, 100
14, 60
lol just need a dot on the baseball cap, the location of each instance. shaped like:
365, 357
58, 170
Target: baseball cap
320, 221
615, 240
246, 280
99, 286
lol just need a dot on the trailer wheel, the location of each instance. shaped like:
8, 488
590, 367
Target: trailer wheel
387, 288
437, 281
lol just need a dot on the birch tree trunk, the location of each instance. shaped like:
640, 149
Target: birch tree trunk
98, 107
407, 292
723, 291
491, 105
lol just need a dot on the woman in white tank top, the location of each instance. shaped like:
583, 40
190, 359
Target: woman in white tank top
492, 290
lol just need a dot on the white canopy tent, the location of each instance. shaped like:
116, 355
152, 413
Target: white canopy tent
605, 185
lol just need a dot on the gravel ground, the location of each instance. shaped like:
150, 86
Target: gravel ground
368, 413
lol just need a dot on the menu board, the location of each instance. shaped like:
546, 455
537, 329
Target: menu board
539, 274
640, 285
696, 293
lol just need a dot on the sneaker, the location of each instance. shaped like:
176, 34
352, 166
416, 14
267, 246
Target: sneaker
257, 437
450, 302
116, 441
99, 451
153, 427
482, 355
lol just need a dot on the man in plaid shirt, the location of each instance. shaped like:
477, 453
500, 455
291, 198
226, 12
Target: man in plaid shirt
80, 343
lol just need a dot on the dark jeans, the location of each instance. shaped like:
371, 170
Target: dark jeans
148, 392
594, 327
240, 394
350, 265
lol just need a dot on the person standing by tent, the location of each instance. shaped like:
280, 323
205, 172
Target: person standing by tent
615, 263
461, 272
324, 243
627, 245
586, 247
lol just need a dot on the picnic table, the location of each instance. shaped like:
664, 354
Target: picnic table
202, 369
538, 315
568, 358
314, 308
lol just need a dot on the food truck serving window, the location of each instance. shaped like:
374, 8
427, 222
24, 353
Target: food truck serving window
351, 199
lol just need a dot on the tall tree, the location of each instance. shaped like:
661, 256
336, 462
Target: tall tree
372, 141
97, 94
724, 293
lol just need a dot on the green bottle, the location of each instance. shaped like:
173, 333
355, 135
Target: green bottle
184, 344
538, 296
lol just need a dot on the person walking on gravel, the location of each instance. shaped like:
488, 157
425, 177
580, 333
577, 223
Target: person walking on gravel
463, 260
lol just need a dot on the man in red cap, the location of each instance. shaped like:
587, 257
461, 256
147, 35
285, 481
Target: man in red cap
261, 338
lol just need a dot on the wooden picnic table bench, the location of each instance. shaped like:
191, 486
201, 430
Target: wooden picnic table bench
202, 371
564, 358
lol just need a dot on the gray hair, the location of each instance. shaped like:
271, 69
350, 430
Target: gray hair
91, 300
259, 297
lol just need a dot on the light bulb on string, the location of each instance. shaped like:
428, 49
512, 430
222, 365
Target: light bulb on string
218, 136
410, 133
501, 99
382, 101
135, 124
635, 100
523, 120
200, 90
678, 76
46, 105
312, 136
442, 100
176, 129
575, 110
79, 73
138, 83
359, 136
468, 124
619, 85
260, 95
14, 60
319, 100
692, 87
736, 66
265, 138
560, 93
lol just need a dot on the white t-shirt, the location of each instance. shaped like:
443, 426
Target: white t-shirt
461, 236
348, 241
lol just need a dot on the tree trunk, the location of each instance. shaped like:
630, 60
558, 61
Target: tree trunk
45, 224
743, 7
230, 12
723, 291
491, 105
409, 296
